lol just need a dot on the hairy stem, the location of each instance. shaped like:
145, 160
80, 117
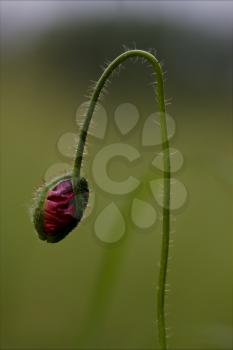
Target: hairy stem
166, 160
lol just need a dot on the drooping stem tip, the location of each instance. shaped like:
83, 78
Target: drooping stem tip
166, 166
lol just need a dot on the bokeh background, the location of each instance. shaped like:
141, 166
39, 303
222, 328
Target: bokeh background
81, 293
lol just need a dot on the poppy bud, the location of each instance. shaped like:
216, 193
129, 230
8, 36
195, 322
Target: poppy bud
59, 208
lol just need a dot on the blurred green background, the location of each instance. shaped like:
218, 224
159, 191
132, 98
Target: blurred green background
81, 293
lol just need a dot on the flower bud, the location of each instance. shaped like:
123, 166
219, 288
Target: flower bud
59, 207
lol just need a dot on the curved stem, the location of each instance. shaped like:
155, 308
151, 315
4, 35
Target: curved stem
166, 160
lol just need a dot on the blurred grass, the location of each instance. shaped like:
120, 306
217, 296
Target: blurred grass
80, 293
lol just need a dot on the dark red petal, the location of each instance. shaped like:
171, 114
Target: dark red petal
59, 209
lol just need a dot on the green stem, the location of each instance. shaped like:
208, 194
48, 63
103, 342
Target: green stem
166, 160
